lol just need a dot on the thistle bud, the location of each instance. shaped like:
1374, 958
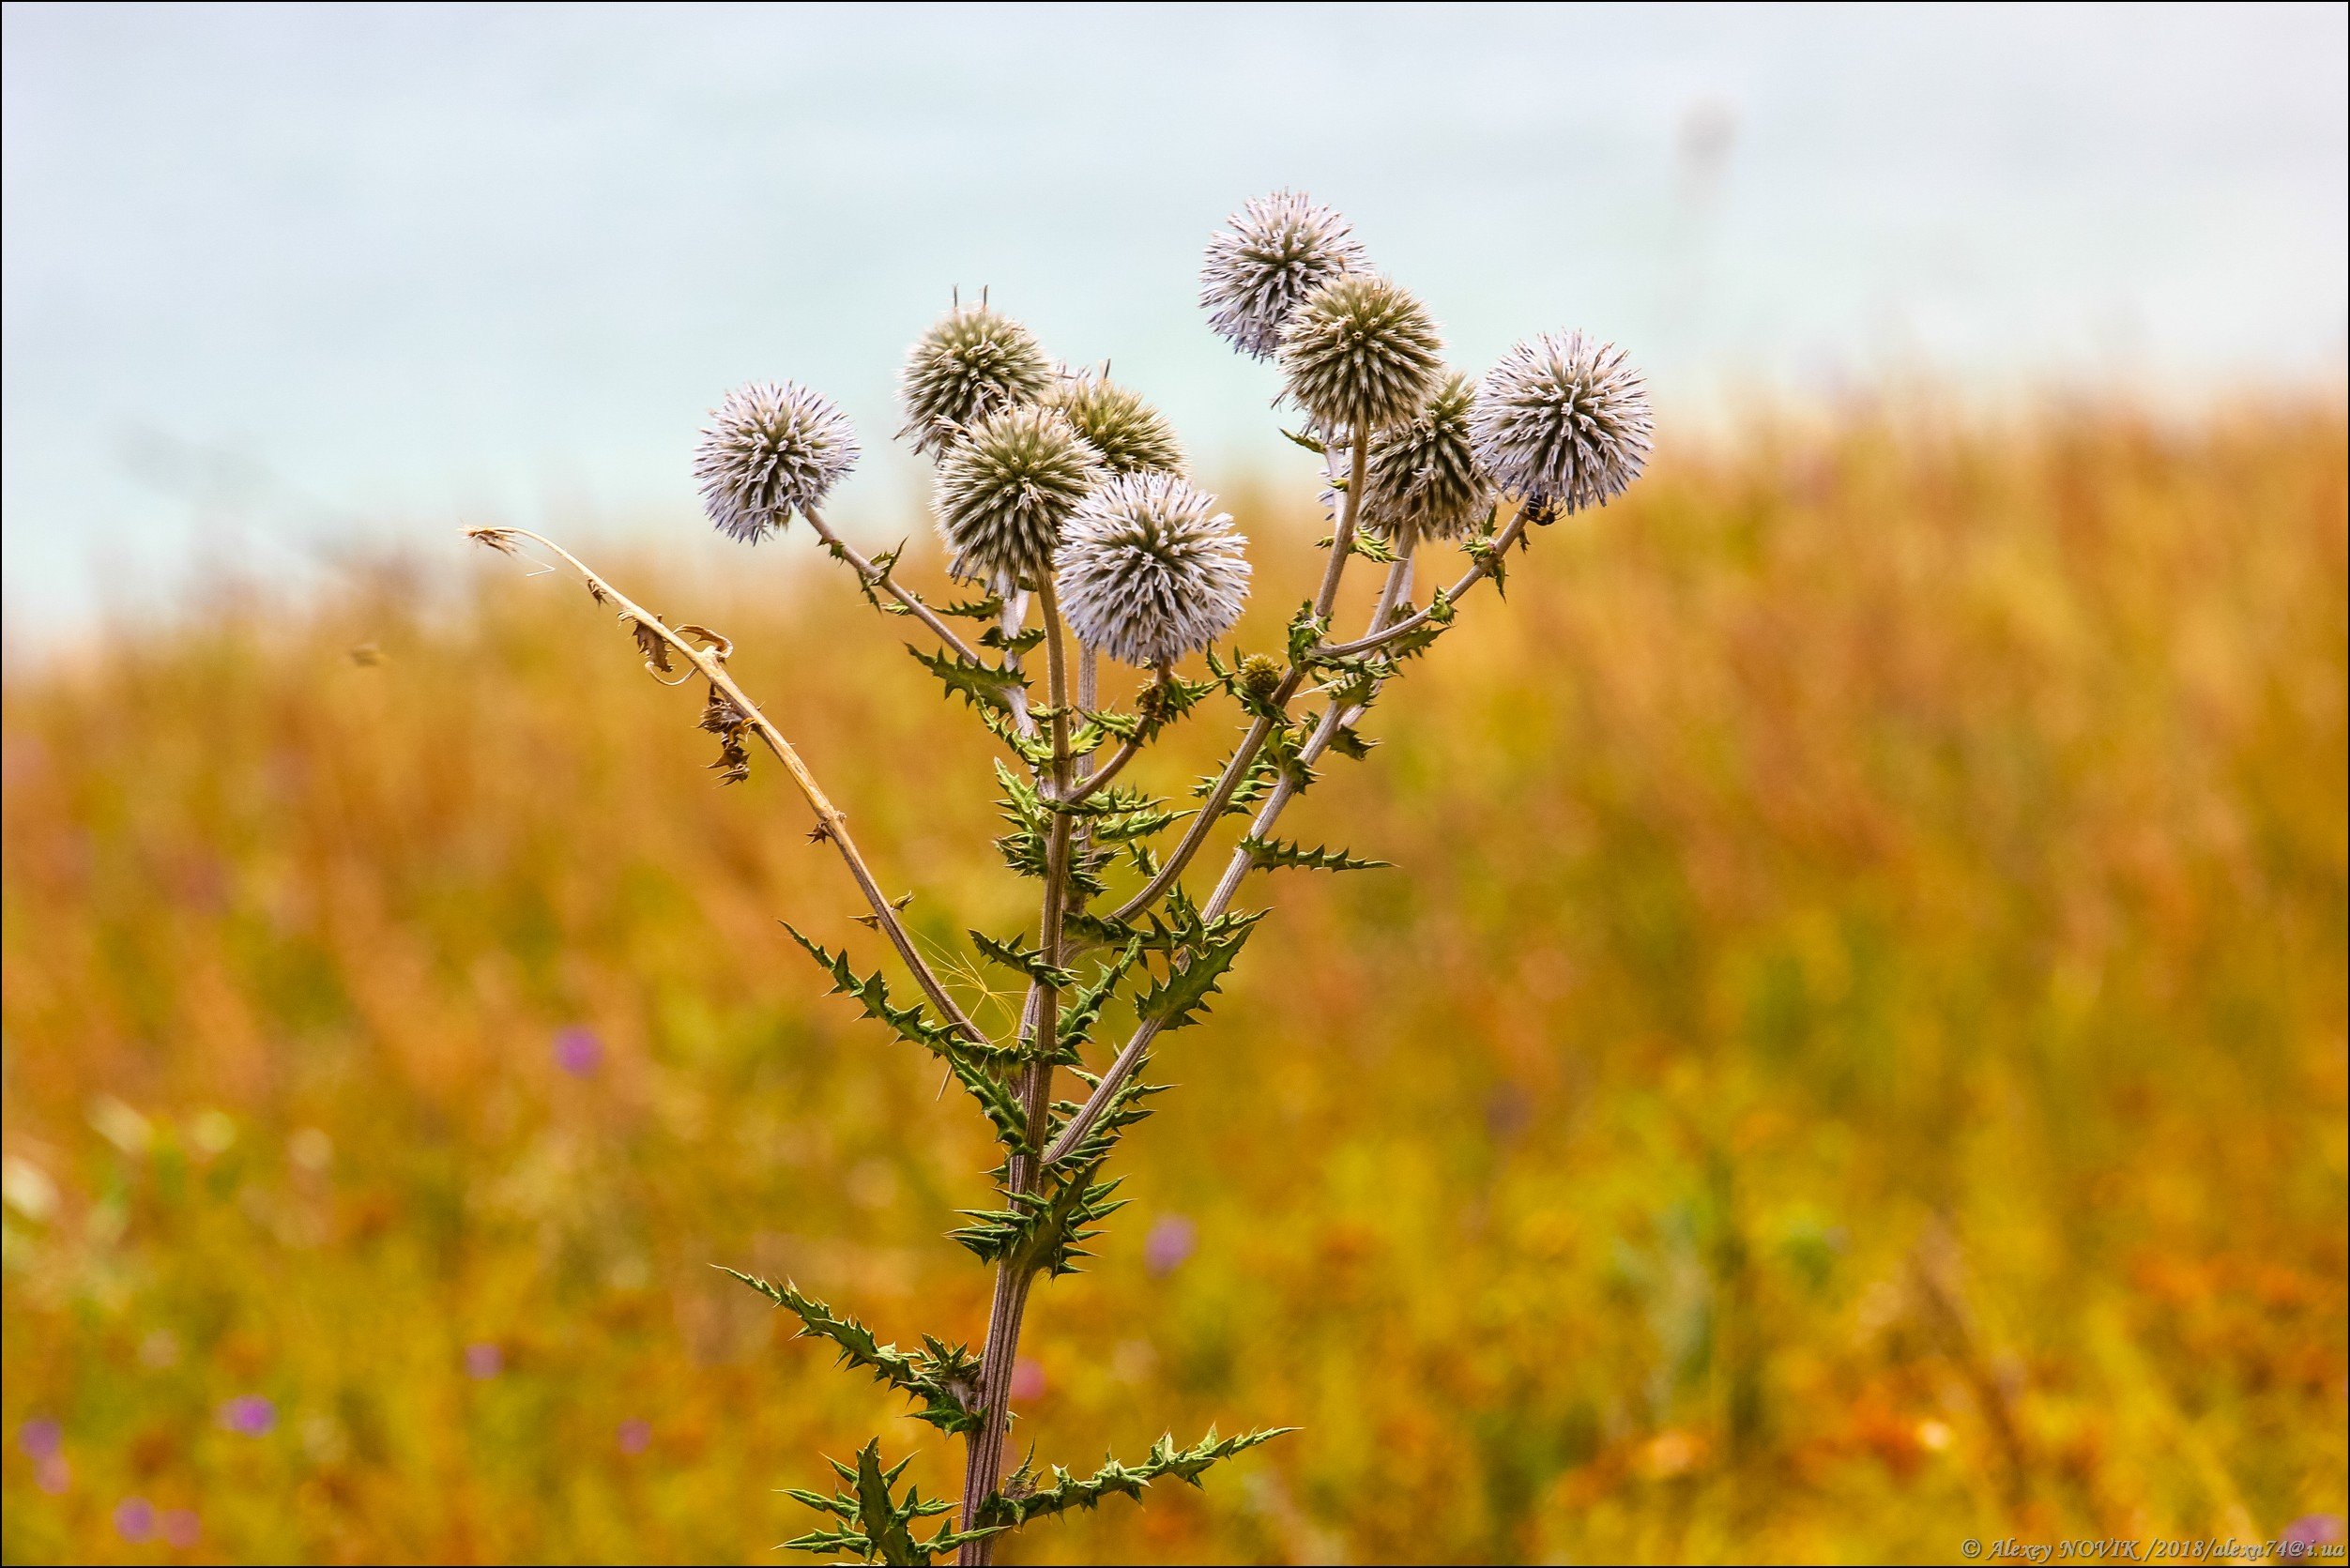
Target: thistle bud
1129, 434
1007, 489
972, 362
1422, 479
1359, 353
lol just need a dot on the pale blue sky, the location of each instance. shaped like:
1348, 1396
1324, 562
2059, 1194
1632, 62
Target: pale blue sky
279, 279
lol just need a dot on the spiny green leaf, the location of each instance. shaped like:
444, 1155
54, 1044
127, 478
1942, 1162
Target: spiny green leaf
1026, 961
942, 1379
1180, 998
1022, 1499
1274, 852
981, 685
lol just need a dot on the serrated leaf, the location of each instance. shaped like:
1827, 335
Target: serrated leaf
1026, 961
1021, 1500
1274, 854
981, 685
1181, 998
944, 1379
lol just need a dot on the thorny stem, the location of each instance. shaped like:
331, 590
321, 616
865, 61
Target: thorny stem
880, 578
1040, 1036
1212, 810
1484, 567
830, 824
1398, 580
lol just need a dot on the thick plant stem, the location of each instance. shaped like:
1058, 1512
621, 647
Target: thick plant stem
1139, 1045
1039, 1035
1212, 810
709, 660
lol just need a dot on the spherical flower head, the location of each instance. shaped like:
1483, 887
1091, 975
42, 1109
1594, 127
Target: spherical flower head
1129, 435
1563, 422
1007, 489
1278, 250
1422, 479
771, 448
1149, 570
972, 362
1361, 353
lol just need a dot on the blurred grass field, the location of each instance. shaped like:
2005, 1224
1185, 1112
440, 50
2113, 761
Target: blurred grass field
1851, 1057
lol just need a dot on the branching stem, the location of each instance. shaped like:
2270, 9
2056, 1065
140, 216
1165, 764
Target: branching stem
886, 580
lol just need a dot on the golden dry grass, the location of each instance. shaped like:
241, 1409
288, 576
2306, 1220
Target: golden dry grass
1851, 1057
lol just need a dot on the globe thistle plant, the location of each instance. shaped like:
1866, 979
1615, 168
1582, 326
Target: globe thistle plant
772, 449
1007, 488
1359, 353
1423, 479
1149, 570
973, 361
1563, 422
1059, 493
1278, 250
1129, 435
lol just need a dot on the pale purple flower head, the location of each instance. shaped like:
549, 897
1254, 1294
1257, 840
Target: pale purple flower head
40, 1437
249, 1414
1278, 250
772, 449
1171, 1241
1148, 570
134, 1519
634, 1436
1563, 422
485, 1361
577, 1051
181, 1527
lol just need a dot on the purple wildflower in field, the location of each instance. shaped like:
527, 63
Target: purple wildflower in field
635, 1435
40, 1437
2313, 1530
1171, 1241
577, 1052
485, 1361
134, 1519
1028, 1379
53, 1475
249, 1414
181, 1527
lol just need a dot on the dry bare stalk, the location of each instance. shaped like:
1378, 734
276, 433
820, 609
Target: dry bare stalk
832, 823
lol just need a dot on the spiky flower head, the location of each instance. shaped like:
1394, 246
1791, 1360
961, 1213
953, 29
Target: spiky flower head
1562, 421
1422, 479
1278, 250
1359, 353
1007, 489
973, 361
1130, 436
770, 450
1151, 571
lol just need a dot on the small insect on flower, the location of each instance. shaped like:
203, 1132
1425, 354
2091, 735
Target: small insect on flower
1563, 422
972, 362
1278, 250
1005, 491
1129, 434
1422, 479
1149, 570
772, 449
1361, 353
